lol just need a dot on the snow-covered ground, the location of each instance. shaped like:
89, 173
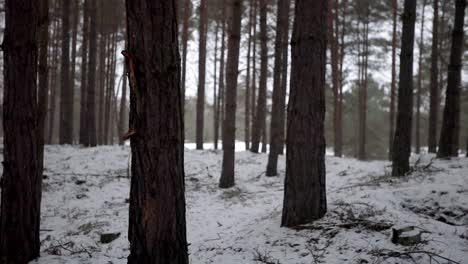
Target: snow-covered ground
86, 192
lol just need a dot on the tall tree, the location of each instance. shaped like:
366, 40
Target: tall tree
84, 73
22, 168
394, 76
66, 95
247, 80
279, 91
220, 101
185, 37
304, 192
157, 228
91, 138
450, 132
332, 39
54, 73
402, 141
342, 44
434, 90
232, 67
43, 68
201, 74
419, 85
74, 39
254, 70
215, 81
259, 121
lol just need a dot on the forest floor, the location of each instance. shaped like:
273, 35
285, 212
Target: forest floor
85, 194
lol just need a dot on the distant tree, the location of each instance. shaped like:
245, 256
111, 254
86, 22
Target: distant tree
393, 90
434, 89
54, 78
248, 79
253, 89
260, 116
20, 211
91, 138
123, 107
450, 132
219, 112
66, 95
43, 69
333, 40
304, 192
402, 141
202, 30
419, 85
279, 91
185, 37
157, 227
75, 18
232, 67
84, 74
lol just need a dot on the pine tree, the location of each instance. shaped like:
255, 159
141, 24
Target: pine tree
434, 90
419, 85
91, 138
157, 228
202, 30
394, 76
66, 95
402, 141
20, 211
84, 73
304, 192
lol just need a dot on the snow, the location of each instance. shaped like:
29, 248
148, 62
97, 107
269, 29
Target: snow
86, 190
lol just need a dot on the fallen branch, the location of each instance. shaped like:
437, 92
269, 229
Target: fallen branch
387, 253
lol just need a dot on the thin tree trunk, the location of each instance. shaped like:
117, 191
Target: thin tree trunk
419, 87
232, 68
84, 73
247, 82
66, 100
332, 39
279, 93
123, 107
254, 70
76, 14
362, 154
215, 82
434, 90
157, 227
284, 81
339, 149
43, 70
304, 192
102, 82
219, 107
20, 213
202, 30
91, 139
259, 121
54, 76
185, 36
393, 84
402, 141
450, 132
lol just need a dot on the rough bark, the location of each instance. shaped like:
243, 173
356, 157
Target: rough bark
394, 76
450, 132
279, 91
91, 139
417, 137
84, 73
304, 193
232, 68
259, 121
402, 141
22, 167
434, 89
157, 227
66, 100
201, 75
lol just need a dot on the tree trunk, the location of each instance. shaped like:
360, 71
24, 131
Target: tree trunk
123, 107
304, 192
339, 149
76, 14
219, 108
450, 132
66, 100
434, 90
419, 87
247, 81
393, 84
215, 82
84, 74
232, 68
43, 69
22, 167
185, 36
201, 74
332, 39
91, 139
157, 228
54, 77
254, 71
362, 154
259, 121
402, 140
279, 93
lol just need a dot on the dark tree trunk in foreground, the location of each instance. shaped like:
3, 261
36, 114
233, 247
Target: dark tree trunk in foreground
279, 91
22, 167
402, 141
66, 100
434, 89
84, 73
91, 136
393, 84
259, 121
157, 229
201, 75
417, 137
232, 67
450, 132
304, 193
